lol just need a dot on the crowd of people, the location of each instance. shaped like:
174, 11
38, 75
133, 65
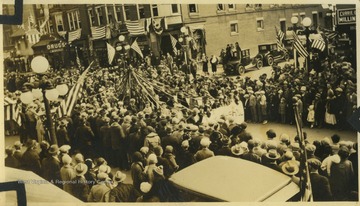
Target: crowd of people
108, 130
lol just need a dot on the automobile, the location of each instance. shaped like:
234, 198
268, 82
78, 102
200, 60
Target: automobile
268, 54
236, 65
230, 179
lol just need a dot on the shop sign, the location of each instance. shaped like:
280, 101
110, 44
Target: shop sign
346, 16
56, 47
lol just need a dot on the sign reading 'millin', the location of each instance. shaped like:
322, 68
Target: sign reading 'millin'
346, 16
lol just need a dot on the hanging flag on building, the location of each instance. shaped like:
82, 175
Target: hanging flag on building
299, 47
319, 43
134, 28
279, 40
173, 43
158, 25
98, 32
136, 48
110, 52
147, 24
73, 35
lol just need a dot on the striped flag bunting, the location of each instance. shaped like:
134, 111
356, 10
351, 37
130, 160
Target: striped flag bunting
299, 47
319, 43
279, 40
134, 28
305, 182
136, 48
73, 35
75, 93
98, 32
110, 52
331, 34
147, 25
173, 42
12, 110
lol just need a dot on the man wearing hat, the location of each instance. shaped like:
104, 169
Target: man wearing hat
101, 191
31, 159
319, 184
79, 185
204, 152
67, 172
252, 105
225, 150
118, 147
272, 156
62, 133
122, 192
185, 157
83, 138
152, 140
105, 137
10, 160
339, 104
51, 166
251, 156
18, 153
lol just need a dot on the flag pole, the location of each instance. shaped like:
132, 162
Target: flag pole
305, 184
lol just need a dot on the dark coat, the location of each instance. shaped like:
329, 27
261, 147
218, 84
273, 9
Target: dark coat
31, 161
83, 135
320, 187
137, 174
105, 136
124, 193
251, 157
51, 170
117, 136
11, 161
80, 189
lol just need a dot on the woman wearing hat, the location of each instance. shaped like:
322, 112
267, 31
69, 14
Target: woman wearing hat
122, 192
79, 185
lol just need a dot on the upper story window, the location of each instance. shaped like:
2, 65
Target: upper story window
174, 8
193, 8
74, 20
154, 9
59, 22
231, 6
141, 11
127, 10
220, 7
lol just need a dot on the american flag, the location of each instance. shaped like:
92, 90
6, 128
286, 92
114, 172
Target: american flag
279, 39
12, 110
134, 28
319, 43
73, 35
299, 47
78, 62
305, 183
67, 105
110, 52
98, 32
136, 48
173, 42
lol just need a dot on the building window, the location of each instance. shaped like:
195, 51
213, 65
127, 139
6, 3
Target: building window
193, 8
141, 11
118, 12
234, 28
174, 9
127, 11
283, 25
154, 8
220, 7
100, 16
260, 24
59, 22
110, 12
231, 6
258, 6
74, 20
91, 17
